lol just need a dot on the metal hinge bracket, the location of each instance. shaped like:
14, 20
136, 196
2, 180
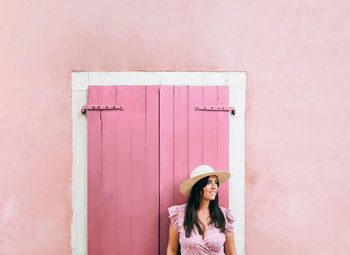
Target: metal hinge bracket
101, 107
216, 108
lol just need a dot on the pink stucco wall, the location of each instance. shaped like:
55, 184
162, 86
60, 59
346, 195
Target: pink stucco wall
296, 54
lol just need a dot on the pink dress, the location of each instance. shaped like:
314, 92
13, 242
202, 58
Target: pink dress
213, 242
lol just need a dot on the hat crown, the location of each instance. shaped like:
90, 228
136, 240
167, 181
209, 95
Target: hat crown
203, 169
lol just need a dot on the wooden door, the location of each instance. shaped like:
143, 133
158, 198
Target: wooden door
138, 157
189, 138
123, 171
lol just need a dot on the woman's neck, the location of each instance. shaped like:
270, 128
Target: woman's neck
204, 206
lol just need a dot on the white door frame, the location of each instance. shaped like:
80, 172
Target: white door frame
237, 98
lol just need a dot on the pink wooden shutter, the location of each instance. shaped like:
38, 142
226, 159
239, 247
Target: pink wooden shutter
130, 182
189, 138
123, 171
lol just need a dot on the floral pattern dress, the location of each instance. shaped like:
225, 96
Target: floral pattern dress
213, 242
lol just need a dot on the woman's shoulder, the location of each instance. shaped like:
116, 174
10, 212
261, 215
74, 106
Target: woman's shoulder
229, 219
176, 215
227, 213
224, 209
177, 209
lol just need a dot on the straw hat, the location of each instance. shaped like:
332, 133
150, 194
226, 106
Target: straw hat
199, 173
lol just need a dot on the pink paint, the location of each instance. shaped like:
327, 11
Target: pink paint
166, 162
124, 165
123, 171
297, 155
189, 138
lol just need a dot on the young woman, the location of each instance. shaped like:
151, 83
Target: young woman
201, 226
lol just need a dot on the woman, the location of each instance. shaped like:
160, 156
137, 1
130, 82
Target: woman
201, 227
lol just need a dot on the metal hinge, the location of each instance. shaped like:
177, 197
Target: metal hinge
216, 108
101, 107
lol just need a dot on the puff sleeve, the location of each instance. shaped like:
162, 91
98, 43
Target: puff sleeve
173, 215
229, 221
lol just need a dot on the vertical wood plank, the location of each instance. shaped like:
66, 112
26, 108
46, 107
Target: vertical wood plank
108, 197
181, 156
94, 174
195, 128
144, 188
138, 160
123, 155
166, 161
152, 166
210, 128
223, 142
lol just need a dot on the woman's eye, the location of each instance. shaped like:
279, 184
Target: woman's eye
216, 183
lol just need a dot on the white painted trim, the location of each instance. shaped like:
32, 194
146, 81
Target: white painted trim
79, 174
237, 98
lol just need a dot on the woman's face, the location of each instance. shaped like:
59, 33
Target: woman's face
211, 189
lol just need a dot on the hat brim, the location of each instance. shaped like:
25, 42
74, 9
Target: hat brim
186, 187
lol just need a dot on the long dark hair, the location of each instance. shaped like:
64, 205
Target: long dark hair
192, 207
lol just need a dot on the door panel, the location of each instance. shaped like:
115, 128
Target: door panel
189, 138
123, 171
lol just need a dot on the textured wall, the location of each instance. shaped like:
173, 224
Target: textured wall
296, 55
